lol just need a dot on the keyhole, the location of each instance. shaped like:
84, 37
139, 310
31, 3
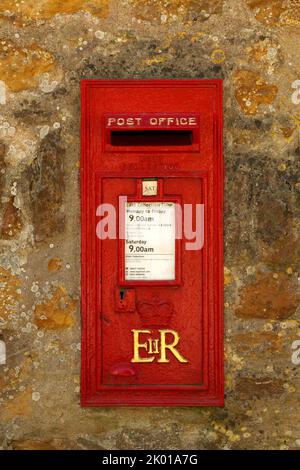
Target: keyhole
122, 294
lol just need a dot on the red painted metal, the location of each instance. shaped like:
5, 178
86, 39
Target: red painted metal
192, 306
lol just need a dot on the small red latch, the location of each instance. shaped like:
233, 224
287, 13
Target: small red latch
122, 369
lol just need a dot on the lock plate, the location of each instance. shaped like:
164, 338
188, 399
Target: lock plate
124, 300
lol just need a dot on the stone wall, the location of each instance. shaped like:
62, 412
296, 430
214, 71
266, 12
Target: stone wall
46, 47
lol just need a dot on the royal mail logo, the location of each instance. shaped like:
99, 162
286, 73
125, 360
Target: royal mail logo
156, 349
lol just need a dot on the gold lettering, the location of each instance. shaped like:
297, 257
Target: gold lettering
153, 346
164, 346
151, 120
111, 121
156, 350
156, 346
137, 346
150, 351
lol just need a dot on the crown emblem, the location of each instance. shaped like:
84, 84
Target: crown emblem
155, 312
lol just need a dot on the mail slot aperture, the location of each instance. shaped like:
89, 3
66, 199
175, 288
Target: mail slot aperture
151, 138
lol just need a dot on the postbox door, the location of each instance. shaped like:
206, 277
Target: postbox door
152, 330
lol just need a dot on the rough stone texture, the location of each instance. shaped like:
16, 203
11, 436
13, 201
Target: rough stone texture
46, 47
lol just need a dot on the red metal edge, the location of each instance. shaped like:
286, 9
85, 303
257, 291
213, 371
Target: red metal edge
83, 211
200, 82
221, 169
218, 240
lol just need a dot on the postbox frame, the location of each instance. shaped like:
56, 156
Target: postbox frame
90, 394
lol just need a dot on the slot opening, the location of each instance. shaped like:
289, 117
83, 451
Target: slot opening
122, 294
157, 137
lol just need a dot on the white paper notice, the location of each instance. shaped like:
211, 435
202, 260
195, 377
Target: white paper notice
150, 241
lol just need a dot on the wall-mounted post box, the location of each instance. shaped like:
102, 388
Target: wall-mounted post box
152, 246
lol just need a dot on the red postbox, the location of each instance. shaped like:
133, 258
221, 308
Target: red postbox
152, 242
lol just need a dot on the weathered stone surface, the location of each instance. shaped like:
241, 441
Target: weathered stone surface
46, 47
2, 168
9, 293
261, 387
54, 264
37, 444
267, 193
32, 111
284, 252
273, 12
45, 9
45, 177
156, 10
11, 223
269, 296
18, 406
21, 66
262, 341
251, 90
57, 312
2, 153
266, 54
139, 439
